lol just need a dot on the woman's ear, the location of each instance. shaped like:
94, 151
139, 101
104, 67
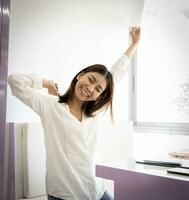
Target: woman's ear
80, 75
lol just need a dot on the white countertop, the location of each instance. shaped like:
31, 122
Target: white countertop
131, 165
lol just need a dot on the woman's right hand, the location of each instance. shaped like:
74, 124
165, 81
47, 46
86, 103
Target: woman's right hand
51, 86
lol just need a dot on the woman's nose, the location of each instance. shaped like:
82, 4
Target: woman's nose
90, 88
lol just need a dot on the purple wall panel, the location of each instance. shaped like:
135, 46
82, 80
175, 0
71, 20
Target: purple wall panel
11, 166
130, 185
4, 40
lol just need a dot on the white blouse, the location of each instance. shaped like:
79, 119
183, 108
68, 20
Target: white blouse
70, 144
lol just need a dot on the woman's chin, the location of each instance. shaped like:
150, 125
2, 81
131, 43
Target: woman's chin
81, 98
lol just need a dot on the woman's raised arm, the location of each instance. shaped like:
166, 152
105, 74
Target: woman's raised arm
119, 69
135, 36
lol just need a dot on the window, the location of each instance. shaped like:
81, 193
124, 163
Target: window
160, 100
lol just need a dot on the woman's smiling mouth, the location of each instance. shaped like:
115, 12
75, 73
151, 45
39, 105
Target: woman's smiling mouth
84, 92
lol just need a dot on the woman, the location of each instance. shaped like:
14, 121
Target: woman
70, 124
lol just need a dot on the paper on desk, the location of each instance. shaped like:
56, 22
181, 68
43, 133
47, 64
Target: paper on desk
180, 154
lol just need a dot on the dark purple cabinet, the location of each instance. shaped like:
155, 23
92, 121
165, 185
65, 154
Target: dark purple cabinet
133, 185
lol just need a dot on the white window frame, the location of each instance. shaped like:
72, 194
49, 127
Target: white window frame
148, 127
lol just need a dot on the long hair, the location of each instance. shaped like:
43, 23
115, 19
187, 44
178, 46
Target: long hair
103, 101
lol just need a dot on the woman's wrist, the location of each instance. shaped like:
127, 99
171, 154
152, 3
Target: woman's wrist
131, 50
134, 43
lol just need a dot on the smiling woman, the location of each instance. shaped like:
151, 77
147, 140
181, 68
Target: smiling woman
53, 40
69, 118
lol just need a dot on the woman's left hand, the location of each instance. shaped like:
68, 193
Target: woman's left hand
135, 34
51, 86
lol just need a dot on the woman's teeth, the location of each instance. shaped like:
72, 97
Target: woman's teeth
84, 92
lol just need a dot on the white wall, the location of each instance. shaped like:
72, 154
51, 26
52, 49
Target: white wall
158, 146
57, 38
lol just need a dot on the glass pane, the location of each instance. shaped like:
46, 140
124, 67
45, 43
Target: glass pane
162, 62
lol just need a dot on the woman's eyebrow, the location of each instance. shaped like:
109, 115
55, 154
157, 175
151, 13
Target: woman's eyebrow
94, 79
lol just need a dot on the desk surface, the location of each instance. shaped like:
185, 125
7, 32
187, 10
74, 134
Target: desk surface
131, 165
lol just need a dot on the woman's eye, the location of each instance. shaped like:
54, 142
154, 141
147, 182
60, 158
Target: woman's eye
98, 90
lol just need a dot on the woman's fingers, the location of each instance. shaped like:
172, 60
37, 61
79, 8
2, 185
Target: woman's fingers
135, 30
131, 29
56, 86
53, 89
57, 92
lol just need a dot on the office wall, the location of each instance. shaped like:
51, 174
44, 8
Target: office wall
58, 38
158, 145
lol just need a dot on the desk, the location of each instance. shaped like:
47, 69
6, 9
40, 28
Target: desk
144, 182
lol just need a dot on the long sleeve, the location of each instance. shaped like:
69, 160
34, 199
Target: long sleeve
119, 69
24, 87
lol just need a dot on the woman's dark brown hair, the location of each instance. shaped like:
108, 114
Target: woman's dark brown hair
104, 100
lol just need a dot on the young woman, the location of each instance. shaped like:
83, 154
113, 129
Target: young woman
70, 124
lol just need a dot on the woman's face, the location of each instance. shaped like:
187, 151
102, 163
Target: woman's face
89, 86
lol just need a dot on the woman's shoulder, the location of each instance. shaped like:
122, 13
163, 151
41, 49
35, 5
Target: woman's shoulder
53, 105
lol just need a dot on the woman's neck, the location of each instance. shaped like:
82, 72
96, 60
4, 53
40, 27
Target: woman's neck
75, 104
75, 108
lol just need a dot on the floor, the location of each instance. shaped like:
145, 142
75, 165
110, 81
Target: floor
36, 198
